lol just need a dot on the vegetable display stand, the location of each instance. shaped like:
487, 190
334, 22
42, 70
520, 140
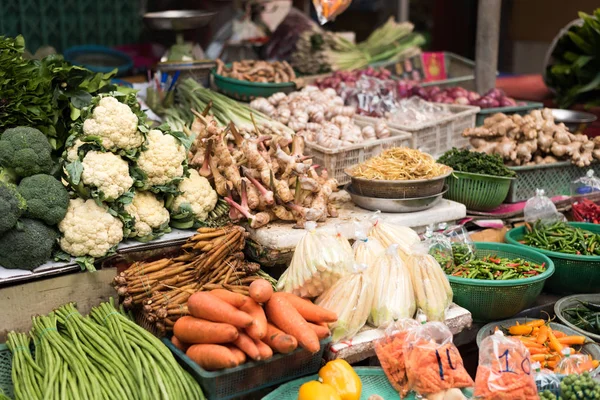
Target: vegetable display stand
573, 273
521, 110
438, 136
6, 385
251, 376
477, 192
490, 300
574, 301
337, 160
554, 178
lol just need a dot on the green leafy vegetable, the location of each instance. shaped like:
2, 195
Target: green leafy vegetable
475, 162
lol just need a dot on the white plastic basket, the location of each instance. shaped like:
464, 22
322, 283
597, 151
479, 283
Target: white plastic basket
337, 160
437, 137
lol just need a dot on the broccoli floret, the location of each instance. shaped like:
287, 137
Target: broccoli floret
28, 245
12, 205
26, 151
47, 199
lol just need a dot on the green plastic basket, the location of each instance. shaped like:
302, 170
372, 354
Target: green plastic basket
478, 192
6, 385
373, 380
574, 274
245, 90
489, 300
522, 110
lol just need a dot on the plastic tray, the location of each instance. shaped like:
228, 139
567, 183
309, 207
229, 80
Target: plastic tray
337, 160
373, 380
478, 192
492, 300
572, 301
251, 376
573, 273
522, 110
555, 179
437, 137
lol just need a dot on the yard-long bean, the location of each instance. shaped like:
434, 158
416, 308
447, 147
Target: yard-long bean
563, 238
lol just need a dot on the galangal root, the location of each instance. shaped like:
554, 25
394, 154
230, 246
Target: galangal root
532, 139
259, 71
211, 259
263, 178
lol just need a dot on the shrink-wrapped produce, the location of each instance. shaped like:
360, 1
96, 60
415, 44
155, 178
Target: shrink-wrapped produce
319, 260
366, 250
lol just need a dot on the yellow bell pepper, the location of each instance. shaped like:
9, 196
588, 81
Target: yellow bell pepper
342, 377
315, 390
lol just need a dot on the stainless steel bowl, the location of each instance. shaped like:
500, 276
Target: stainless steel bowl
576, 121
395, 205
178, 20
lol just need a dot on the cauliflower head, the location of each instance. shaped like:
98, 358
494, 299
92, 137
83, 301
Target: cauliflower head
197, 192
115, 124
108, 172
162, 160
72, 152
89, 229
149, 213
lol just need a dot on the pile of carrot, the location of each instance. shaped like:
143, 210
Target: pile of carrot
545, 344
224, 328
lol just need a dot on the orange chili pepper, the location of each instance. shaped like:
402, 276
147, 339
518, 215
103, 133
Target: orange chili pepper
536, 323
571, 340
553, 341
520, 330
542, 335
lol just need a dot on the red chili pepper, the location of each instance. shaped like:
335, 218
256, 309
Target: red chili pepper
513, 265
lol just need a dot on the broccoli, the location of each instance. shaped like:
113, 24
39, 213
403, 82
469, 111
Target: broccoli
26, 151
47, 199
28, 245
12, 206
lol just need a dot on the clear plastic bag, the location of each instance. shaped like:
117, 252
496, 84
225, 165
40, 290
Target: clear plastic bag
585, 193
366, 250
394, 298
390, 353
389, 234
433, 364
545, 379
463, 248
350, 298
585, 185
574, 363
504, 371
541, 208
328, 10
440, 248
319, 260
432, 290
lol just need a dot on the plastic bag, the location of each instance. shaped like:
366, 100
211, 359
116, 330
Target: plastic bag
327, 10
366, 250
574, 363
432, 290
440, 248
390, 353
541, 208
504, 371
394, 298
350, 298
433, 364
545, 379
582, 189
389, 234
463, 248
319, 260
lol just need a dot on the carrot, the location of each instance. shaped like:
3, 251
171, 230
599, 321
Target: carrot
208, 306
281, 312
179, 344
246, 344
258, 329
279, 341
535, 323
571, 340
553, 341
199, 331
308, 310
321, 331
265, 351
520, 330
542, 335
235, 299
212, 357
260, 290
239, 355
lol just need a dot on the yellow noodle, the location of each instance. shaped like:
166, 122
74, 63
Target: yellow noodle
399, 164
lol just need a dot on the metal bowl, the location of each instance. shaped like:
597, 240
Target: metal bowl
178, 20
576, 121
395, 205
408, 189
